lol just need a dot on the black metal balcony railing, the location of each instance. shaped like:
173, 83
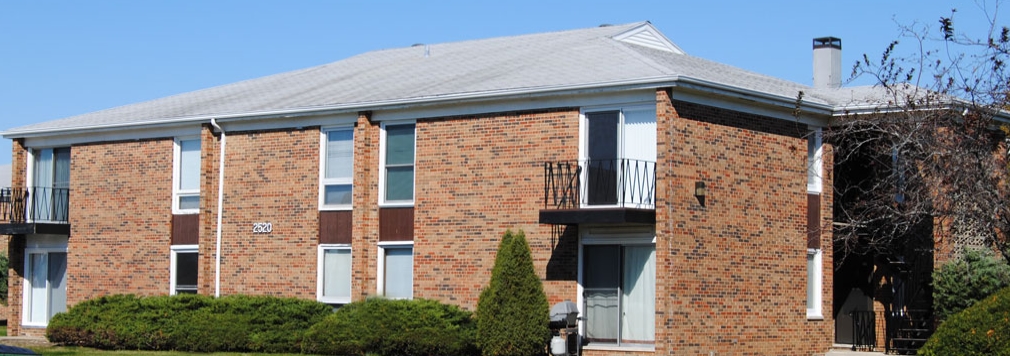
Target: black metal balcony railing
34, 204
612, 182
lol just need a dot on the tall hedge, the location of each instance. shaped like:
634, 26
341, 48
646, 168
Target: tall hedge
962, 282
981, 330
512, 312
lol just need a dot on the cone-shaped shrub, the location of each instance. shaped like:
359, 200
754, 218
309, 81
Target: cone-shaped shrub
512, 312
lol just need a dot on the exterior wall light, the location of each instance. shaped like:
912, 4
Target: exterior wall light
700, 192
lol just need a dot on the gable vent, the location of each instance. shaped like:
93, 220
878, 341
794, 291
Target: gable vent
648, 36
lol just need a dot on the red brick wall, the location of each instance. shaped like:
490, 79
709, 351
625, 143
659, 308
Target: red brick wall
732, 273
120, 219
478, 176
270, 177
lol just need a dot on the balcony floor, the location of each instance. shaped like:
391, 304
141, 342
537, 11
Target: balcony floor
598, 216
35, 228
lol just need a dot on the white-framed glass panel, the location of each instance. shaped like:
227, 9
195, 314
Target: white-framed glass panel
619, 153
45, 281
186, 176
396, 271
334, 277
814, 162
50, 191
814, 275
185, 270
397, 158
618, 285
336, 169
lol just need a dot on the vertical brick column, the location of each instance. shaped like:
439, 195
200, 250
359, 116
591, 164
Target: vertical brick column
365, 221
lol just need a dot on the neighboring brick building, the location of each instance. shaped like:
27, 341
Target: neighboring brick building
679, 202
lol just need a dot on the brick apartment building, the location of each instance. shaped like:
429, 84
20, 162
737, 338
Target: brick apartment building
678, 201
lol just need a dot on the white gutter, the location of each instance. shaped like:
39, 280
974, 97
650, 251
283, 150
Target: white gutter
220, 210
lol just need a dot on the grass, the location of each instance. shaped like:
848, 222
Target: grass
84, 351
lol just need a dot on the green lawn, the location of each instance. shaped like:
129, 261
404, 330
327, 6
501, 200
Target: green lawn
83, 351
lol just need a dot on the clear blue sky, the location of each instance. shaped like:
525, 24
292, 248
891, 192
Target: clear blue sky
62, 58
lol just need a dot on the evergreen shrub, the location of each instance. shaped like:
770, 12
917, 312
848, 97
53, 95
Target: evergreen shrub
188, 323
512, 312
960, 283
982, 329
418, 327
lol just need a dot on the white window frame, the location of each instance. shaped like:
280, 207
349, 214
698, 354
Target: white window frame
174, 262
45, 246
323, 181
817, 162
320, 275
177, 176
815, 313
382, 167
636, 236
621, 152
380, 288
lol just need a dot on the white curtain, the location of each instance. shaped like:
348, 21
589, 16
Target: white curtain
189, 165
399, 273
639, 303
337, 273
37, 275
640, 150
602, 315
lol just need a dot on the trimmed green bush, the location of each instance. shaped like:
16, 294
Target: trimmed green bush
188, 323
982, 329
961, 283
512, 312
381, 326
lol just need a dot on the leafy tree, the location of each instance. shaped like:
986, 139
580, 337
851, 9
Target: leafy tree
960, 283
512, 312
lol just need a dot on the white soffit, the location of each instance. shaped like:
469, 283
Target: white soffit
648, 36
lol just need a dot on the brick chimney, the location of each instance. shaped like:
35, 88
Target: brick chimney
827, 62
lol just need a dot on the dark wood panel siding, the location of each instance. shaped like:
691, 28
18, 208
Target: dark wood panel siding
396, 224
813, 221
334, 227
186, 229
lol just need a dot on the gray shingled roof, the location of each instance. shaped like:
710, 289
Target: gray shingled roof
487, 67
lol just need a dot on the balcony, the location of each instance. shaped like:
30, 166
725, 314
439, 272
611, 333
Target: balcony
614, 191
34, 210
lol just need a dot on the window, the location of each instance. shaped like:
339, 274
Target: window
814, 284
814, 162
396, 271
50, 193
619, 292
185, 262
619, 151
337, 169
398, 164
334, 279
45, 280
186, 176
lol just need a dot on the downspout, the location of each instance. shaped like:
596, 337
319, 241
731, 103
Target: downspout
220, 210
